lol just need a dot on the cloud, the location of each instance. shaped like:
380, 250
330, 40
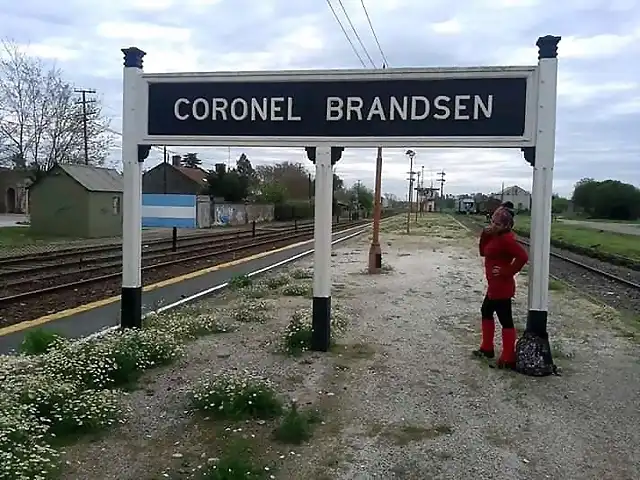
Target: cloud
598, 92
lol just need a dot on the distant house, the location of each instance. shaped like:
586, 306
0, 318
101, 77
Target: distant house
13, 190
520, 198
173, 178
77, 201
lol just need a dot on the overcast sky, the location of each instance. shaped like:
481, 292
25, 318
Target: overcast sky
598, 132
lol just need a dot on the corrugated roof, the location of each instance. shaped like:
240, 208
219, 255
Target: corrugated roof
94, 179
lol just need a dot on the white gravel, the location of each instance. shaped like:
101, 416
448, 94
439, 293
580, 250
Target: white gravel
408, 400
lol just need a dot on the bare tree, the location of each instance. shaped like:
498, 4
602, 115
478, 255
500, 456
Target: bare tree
41, 123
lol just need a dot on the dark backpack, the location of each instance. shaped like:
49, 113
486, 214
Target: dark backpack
533, 355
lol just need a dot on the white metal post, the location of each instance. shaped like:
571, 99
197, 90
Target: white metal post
321, 321
543, 185
131, 299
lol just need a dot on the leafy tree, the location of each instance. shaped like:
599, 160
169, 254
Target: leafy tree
609, 199
246, 174
292, 178
559, 204
227, 184
191, 160
358, 194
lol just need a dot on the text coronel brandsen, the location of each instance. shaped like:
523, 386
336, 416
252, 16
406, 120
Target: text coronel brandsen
351, 108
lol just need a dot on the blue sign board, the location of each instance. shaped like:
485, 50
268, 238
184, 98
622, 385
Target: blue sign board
169, 210
368, 107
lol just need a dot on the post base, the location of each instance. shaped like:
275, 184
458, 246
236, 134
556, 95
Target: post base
131, 307
537, 323
321, 324
375, 258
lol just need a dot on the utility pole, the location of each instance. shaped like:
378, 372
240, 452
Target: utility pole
410, 154
422, 204
441, 181
417, 197
85, 118
375, 252
502, 194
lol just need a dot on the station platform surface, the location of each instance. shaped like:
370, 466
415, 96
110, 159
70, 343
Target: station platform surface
87, 319
402, 395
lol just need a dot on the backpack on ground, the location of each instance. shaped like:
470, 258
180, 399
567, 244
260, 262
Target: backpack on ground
533, 355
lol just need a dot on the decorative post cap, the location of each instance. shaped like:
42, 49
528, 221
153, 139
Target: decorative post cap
548, 46
133, 57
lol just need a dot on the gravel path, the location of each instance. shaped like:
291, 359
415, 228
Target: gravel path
407, 400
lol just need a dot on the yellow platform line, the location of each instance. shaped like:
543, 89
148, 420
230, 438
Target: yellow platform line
154, 286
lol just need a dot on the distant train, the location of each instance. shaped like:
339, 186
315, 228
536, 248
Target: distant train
468, 206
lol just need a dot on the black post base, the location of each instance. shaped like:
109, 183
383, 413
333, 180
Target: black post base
537, 323
321, 324
131, 307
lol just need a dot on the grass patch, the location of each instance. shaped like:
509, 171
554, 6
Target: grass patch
296, 427
39, 341
556, 285
298, 289
71, 389
237, 463
607, 242
297, 335
251, 311
20, 236
188, 324
236, 397
277, 281
240, 281
302, 273
256, 291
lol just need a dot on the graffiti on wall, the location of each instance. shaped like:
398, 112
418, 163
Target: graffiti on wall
241, 214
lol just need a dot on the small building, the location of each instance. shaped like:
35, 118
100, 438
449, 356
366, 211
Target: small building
174, 179
14, 190
77, 201
520, 198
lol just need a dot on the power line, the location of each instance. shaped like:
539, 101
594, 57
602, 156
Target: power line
353, 47
355, 32
373, 31
84, 101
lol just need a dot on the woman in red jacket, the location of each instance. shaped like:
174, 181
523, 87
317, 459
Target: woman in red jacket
504, 258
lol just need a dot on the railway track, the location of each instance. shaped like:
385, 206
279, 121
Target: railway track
611, 284
25, 298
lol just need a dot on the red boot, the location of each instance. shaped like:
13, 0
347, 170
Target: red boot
486, 346
508, 356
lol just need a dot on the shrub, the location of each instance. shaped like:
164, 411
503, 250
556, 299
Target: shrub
25, 452
277, 281
302, 273
297, 336
38, 341
237, 396
187, 325
296, 427
114, 359
256, 291
66, 408
240, 281
297, 290
251, 311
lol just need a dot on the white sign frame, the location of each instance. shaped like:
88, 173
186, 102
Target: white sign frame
528, 139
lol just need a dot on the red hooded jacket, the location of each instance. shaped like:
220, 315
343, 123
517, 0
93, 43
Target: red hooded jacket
502, 251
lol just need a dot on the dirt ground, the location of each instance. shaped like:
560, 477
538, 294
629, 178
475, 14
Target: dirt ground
405, 399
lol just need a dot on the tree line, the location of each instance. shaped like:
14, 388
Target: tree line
42, 121
279, 183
